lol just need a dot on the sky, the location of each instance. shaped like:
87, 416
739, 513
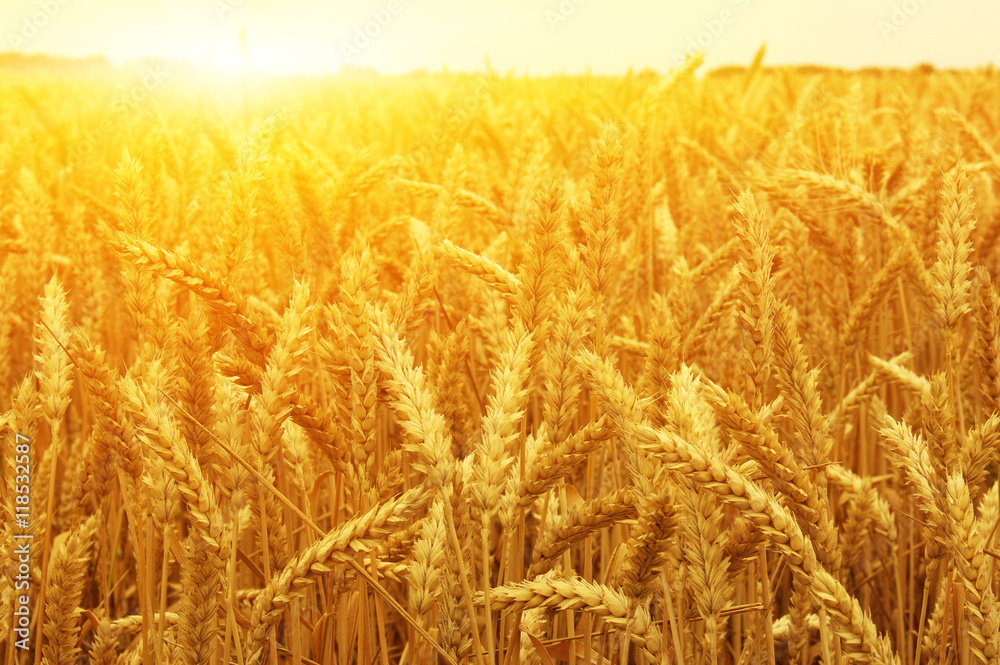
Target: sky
523, 36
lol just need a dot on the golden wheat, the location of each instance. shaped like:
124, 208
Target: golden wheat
660, 369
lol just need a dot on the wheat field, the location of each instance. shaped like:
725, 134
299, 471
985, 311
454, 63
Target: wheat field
697, 368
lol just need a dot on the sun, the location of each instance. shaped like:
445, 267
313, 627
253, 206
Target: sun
218, 51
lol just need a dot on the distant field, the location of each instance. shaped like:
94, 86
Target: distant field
691, 368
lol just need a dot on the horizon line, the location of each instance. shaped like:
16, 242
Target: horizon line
8, 58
